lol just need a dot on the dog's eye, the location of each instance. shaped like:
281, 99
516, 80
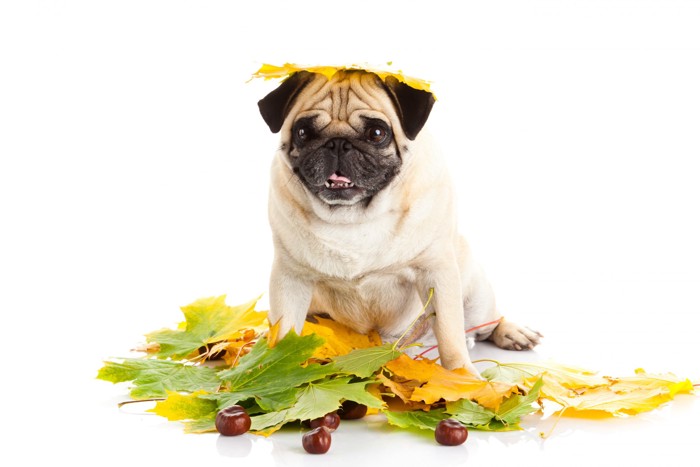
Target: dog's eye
376, 134
303, 133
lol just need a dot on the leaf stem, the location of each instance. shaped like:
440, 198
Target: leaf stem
482, 360
517, 366
155, 399
544, 435
425, 306
240, 351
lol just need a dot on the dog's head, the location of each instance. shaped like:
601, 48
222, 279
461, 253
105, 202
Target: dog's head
344, 137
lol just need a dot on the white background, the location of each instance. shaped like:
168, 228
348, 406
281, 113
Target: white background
134, 177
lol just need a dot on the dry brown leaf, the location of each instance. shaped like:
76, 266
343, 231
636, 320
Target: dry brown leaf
399, 386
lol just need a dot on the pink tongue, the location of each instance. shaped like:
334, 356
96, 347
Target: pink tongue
339, 178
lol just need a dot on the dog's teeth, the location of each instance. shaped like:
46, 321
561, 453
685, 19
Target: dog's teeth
332, 184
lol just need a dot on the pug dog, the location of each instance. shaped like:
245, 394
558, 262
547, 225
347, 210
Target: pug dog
363, 218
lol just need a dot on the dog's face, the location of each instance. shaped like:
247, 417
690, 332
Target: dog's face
345, 137
344, 163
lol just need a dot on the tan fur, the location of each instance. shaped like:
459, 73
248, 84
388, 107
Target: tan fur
373, 267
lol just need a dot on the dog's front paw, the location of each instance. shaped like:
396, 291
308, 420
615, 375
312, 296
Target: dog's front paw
510, 336
460, 362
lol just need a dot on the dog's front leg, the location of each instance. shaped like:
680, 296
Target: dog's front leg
449, 317
290, 297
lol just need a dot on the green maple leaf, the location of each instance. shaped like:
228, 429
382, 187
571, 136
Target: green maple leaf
267, 400
470, 413
278, 381
201, 425
315, 400
416, 418
264, 371
207, 320
366, 362
510, 411
328, 394
278, 400
505, 374
153, 378
270, 422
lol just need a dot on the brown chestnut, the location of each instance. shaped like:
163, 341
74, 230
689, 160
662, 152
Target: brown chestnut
317, 441
450, 432
232, 421
351, 410
330, 421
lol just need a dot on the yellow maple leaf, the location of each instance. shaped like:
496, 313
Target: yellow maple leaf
668, 382
375, 390
273, 334
583, 393
233, 351
268, 71
240, 318
395, 404
184, 406
449, 385
565, 376
339, 339
208, 321
624, 396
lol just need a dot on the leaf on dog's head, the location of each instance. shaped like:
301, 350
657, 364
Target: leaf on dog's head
268, 71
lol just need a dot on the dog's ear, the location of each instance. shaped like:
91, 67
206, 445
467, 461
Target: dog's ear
275, 106
412, 105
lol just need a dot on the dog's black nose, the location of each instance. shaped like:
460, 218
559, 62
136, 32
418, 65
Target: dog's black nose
340, 146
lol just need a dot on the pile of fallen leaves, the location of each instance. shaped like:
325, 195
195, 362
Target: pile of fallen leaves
222, 355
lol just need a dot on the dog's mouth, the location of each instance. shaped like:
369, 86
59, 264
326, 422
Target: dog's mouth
339, 182
340, 189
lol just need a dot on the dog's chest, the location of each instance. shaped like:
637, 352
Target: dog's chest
350, 251
382, 301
